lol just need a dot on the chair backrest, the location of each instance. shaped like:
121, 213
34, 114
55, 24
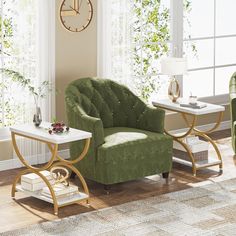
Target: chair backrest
113, 103
232, 84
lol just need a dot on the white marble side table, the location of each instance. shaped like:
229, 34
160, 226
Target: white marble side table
192, 130
52, 141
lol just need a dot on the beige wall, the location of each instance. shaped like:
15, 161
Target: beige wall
6, 151
76, 57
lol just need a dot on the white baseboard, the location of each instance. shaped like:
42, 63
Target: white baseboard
32, 160
223, 125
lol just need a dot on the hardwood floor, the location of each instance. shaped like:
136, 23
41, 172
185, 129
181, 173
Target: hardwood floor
26, 210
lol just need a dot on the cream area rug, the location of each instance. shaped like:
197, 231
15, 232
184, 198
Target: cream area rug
207, 210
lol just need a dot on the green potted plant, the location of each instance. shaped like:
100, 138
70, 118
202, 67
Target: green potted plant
38, 92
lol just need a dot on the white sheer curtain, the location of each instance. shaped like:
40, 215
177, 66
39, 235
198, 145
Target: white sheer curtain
132, 37
114, 40
30, 52
46, 44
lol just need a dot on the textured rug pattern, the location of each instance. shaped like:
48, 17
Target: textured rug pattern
207, 210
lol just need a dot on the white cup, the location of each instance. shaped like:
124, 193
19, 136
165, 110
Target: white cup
192, 100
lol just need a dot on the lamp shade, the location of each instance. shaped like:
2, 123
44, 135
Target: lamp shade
173, 66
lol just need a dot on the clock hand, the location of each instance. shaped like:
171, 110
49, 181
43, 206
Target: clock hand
74, 10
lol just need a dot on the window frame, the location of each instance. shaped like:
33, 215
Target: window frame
177, 28
176, 42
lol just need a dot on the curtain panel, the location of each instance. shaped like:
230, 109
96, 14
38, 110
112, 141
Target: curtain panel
115, 40
27, 46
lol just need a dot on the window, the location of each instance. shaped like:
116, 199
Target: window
209, 43
134, 35
26, 36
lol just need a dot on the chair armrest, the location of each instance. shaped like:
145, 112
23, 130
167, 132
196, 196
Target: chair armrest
233, 106
152, 119
95, 126
79, 120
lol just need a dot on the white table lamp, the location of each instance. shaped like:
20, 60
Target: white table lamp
173, 66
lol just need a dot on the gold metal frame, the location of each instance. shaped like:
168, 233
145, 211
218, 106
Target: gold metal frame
51, 163
194, 131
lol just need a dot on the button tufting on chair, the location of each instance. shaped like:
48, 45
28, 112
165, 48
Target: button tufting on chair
128, 136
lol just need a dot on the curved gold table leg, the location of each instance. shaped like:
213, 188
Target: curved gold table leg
35, 170
69, 165
203, 134
54, 151
190, 155
190, 130
17, 179
81, 178
178, 138
214, 146
24, 162
78, 159
214, 127
186, 120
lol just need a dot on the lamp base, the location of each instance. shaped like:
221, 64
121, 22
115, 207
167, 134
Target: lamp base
174, 90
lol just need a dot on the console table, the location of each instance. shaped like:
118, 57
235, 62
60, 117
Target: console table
193, 113
52, 141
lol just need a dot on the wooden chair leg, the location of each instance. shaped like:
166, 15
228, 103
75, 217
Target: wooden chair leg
166, 176
107, 188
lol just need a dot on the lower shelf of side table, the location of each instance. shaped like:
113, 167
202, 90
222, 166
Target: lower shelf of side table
199, 164
61, 201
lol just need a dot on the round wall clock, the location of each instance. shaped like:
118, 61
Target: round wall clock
76, 15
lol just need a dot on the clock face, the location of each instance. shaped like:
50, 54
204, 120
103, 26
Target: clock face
76, 15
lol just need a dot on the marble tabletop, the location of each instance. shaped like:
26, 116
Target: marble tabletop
169, 105
41, 133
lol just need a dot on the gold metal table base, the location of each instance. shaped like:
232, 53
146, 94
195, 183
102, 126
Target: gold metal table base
54, 161
204, 134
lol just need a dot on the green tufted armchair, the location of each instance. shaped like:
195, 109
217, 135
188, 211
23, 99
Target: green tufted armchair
232, 94
128, 141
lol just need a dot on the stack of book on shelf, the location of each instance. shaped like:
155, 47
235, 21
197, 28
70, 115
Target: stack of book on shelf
32, 182
198, 148
61, 191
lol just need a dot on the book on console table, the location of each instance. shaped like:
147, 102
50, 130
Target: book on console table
60, 190
32, 182
194, 144
198, 148
194, 106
